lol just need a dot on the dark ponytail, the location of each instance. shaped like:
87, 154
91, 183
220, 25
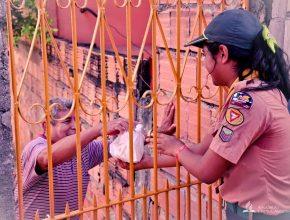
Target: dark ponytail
273, 68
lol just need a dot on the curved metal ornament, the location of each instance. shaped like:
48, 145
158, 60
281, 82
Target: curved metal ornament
21, 6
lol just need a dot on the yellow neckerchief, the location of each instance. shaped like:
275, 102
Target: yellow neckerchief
231, 90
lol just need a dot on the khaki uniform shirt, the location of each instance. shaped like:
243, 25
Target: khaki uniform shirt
253, 133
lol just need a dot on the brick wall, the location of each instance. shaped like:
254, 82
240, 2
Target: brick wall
33, 85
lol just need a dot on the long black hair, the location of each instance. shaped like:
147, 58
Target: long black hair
273, 68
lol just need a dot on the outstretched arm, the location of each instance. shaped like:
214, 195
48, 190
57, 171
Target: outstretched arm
168, 127
65, 149
207, 167
166, 160
199, 149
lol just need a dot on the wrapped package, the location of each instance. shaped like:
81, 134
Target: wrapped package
120, 149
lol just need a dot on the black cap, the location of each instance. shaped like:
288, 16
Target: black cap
236, 27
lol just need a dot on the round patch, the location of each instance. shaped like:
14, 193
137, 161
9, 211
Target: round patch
234, 116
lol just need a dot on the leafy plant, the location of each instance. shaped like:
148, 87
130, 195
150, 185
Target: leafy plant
24, 22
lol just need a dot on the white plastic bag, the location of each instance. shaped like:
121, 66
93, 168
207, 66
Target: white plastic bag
119, 148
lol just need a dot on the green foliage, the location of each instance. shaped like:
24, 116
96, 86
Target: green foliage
24, 22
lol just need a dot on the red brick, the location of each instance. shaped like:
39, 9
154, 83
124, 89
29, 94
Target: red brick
111, 68
205, 121
118, 70
189, 79
184, 28
164, 17
172, 198
81, 57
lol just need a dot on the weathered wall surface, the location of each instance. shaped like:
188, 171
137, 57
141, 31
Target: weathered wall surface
276, 14
6, 147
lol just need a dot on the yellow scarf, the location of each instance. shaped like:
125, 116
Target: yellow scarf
231, 90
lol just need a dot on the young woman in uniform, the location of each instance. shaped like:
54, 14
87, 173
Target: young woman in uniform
249, 146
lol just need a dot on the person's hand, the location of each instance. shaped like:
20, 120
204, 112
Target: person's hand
116, 126
144, 163
167, 124
166, 144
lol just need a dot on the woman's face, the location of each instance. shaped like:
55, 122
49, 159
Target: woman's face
213, 66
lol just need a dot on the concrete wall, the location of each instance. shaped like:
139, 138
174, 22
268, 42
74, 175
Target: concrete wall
276, 14
6, 147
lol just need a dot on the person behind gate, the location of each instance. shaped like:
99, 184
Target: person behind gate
249, 146
34, 159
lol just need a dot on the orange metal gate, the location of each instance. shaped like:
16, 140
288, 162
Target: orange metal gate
129, 74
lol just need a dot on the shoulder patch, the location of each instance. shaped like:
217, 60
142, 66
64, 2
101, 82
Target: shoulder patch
242, 99
234, 116
226, 134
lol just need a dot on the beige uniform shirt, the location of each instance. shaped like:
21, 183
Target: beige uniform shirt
253, 133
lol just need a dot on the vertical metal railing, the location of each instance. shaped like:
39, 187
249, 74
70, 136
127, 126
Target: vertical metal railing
15, 105
47, 111
104, 103
178, 99
154, 98
77, 104
131, 101
130, 76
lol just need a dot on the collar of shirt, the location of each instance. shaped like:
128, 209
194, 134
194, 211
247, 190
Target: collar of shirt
238, 85
250, 83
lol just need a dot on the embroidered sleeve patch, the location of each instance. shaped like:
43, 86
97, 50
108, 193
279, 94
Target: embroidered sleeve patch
242, 99
234, 117
226, 134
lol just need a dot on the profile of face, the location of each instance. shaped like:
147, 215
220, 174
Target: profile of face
210, 64
215, 66
63, 128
